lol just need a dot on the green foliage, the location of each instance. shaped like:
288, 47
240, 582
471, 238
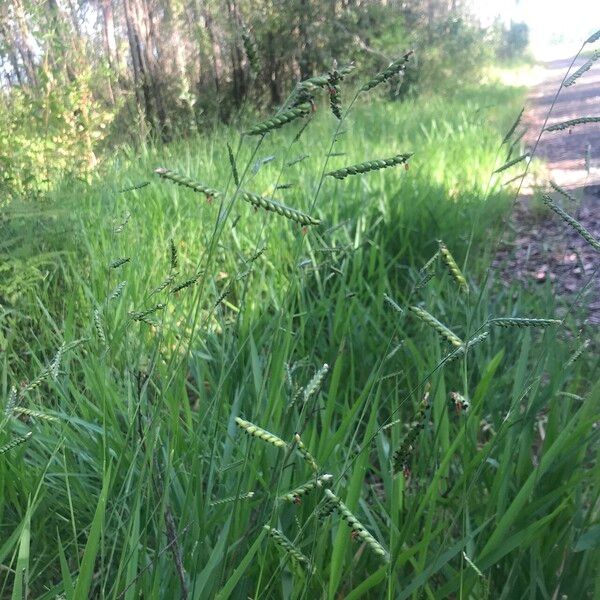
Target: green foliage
162, 474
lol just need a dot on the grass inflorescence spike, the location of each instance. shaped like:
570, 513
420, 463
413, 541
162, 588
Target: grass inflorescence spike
98, 325
185, 284
577, 354
572, 123
562, 191
281, 119
187, 182
115, 264
287, 546
513, 127
356, 526
453, 267
251, 50
576, 225
142, 315
444, 331
220, 501
314, 384
260, 433
35, 414
523, 322
461, 350
571, 79
16, 441
306, 455
396, 67
234, 171
370, 165
280, 209
309, 486
117, 291
512, 163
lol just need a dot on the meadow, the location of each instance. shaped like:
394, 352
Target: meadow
212, 400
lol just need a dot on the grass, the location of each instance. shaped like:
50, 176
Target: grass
142, 486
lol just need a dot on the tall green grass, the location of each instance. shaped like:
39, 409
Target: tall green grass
141, 486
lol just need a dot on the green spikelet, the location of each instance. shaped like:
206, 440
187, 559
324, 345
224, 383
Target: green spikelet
164, 284
446, 333
16, 441
172, 254
306, 455
563, 192
247, 496
453, 268
187, 182
523, 322
34, 414
251, 50
576, 225
280, 209
116, 293
11, 402
393, 304
315, 383
143, 314
370, 165
569, 81
334, 94
396, 67
287, 546
593, 38
309, 486
357, 526
99, 327
512, 163
261, 434
281, 119
185, 284
401, 456
34, 383
513, 127
460, 351
577, 354
234, 171
118, 262
136, 186
572, 123
54, 366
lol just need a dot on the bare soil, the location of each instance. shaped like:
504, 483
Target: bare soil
542, 247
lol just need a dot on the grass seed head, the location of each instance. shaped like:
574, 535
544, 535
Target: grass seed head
281, 119
370, 165
441, 329
396, 67
260, 433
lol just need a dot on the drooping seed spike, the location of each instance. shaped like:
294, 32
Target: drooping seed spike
172, 254
136, 186
460, 351
577, 354
251, 50
118, 262
396, 67
576, 225
306, 455
441, 329
281, 119
260, 433
512, 163
187, 182
393, 304
99, 327
562, 191
309, 486
55, 364
593, 38
116, 293
16, 441
35, 414
315, 383
523, 322
572, 123
280, 209
357, 526
247, 496
513, 127
569, 81
11, 402
287, 546
141, 315
234, 171
370, 165
185, 284
453, 268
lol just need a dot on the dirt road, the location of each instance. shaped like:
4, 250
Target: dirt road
544, 248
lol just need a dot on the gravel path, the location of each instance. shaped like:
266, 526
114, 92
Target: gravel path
543, 248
